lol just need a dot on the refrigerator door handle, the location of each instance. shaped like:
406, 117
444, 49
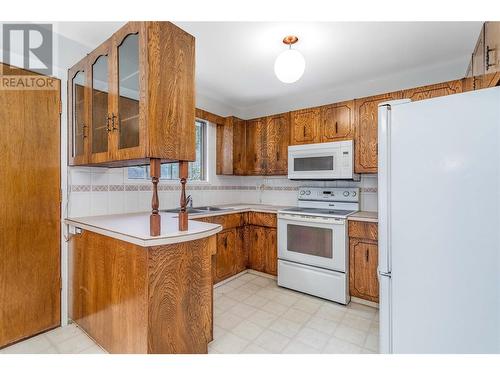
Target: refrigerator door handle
384, 274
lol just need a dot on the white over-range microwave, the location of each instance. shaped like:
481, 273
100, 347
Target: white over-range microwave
321, 161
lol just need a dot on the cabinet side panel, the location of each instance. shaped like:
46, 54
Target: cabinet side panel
171, 92
108, 291
180, 297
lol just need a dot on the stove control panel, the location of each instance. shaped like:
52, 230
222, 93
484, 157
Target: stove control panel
328, 194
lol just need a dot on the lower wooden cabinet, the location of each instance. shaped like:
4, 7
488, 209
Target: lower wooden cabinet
231, 256
262, 249
363, 260
247, 240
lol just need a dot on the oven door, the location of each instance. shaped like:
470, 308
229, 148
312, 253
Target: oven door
312, 240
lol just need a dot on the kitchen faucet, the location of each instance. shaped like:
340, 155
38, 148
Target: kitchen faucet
189, 201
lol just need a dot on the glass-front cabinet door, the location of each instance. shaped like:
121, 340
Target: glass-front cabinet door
101, 117
128, 140
78, 130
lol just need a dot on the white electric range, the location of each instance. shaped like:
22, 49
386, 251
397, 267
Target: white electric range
312, 242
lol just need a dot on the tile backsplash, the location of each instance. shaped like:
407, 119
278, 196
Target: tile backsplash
101, 191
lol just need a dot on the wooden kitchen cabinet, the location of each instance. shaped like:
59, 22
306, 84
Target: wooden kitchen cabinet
239, 147
256, 147
304, 126
247, 240
100, 104
78, 115
140, 98
363, 260
337, 121
225, 258
366, 131
231, 256
224, 146
492, 47
478, 68
271, 253
262, 249
485, 63
256, 243
277, 139
433, 91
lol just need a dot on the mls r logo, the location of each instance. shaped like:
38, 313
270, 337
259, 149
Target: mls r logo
28, 46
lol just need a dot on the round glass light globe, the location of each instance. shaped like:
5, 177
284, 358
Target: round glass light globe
289, 66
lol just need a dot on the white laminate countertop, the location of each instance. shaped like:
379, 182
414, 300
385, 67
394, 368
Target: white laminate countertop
134, 228
241, 207
369, 216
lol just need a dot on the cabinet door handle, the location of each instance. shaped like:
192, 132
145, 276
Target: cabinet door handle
304, 131
336, 127
114, 121
277, 155
85, 130
225, 241
366, 255
108, 119
488, 50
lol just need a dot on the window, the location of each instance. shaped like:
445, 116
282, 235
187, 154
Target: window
170, 171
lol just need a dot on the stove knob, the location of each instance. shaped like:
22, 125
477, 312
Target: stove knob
302, 192
346, 193
308, 192
353, 193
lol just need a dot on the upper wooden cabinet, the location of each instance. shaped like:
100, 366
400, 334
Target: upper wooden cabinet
337, 121
366, 134
304, 125
239, 147
485, 62
277, 140
433, 91
478, 67
224, 164
492, 47
255, 146
78, 115
138, 98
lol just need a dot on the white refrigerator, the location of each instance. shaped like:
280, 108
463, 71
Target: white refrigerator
439, 224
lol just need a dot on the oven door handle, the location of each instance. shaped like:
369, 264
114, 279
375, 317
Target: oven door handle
311, 219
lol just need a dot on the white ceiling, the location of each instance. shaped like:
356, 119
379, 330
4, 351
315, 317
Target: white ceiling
234, 60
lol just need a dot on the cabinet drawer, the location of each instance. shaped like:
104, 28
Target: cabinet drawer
363, 229
227, 221
262, 219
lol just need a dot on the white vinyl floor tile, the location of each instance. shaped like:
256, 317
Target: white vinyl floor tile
276, 320
252, 315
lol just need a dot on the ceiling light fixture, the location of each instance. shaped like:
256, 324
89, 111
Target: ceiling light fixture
290, 64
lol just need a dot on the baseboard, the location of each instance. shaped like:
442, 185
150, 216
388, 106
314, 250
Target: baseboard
262, 274
230, 279
258, 273
364, 302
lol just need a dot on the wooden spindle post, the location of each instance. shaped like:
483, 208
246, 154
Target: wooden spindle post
183, 215
155, 218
